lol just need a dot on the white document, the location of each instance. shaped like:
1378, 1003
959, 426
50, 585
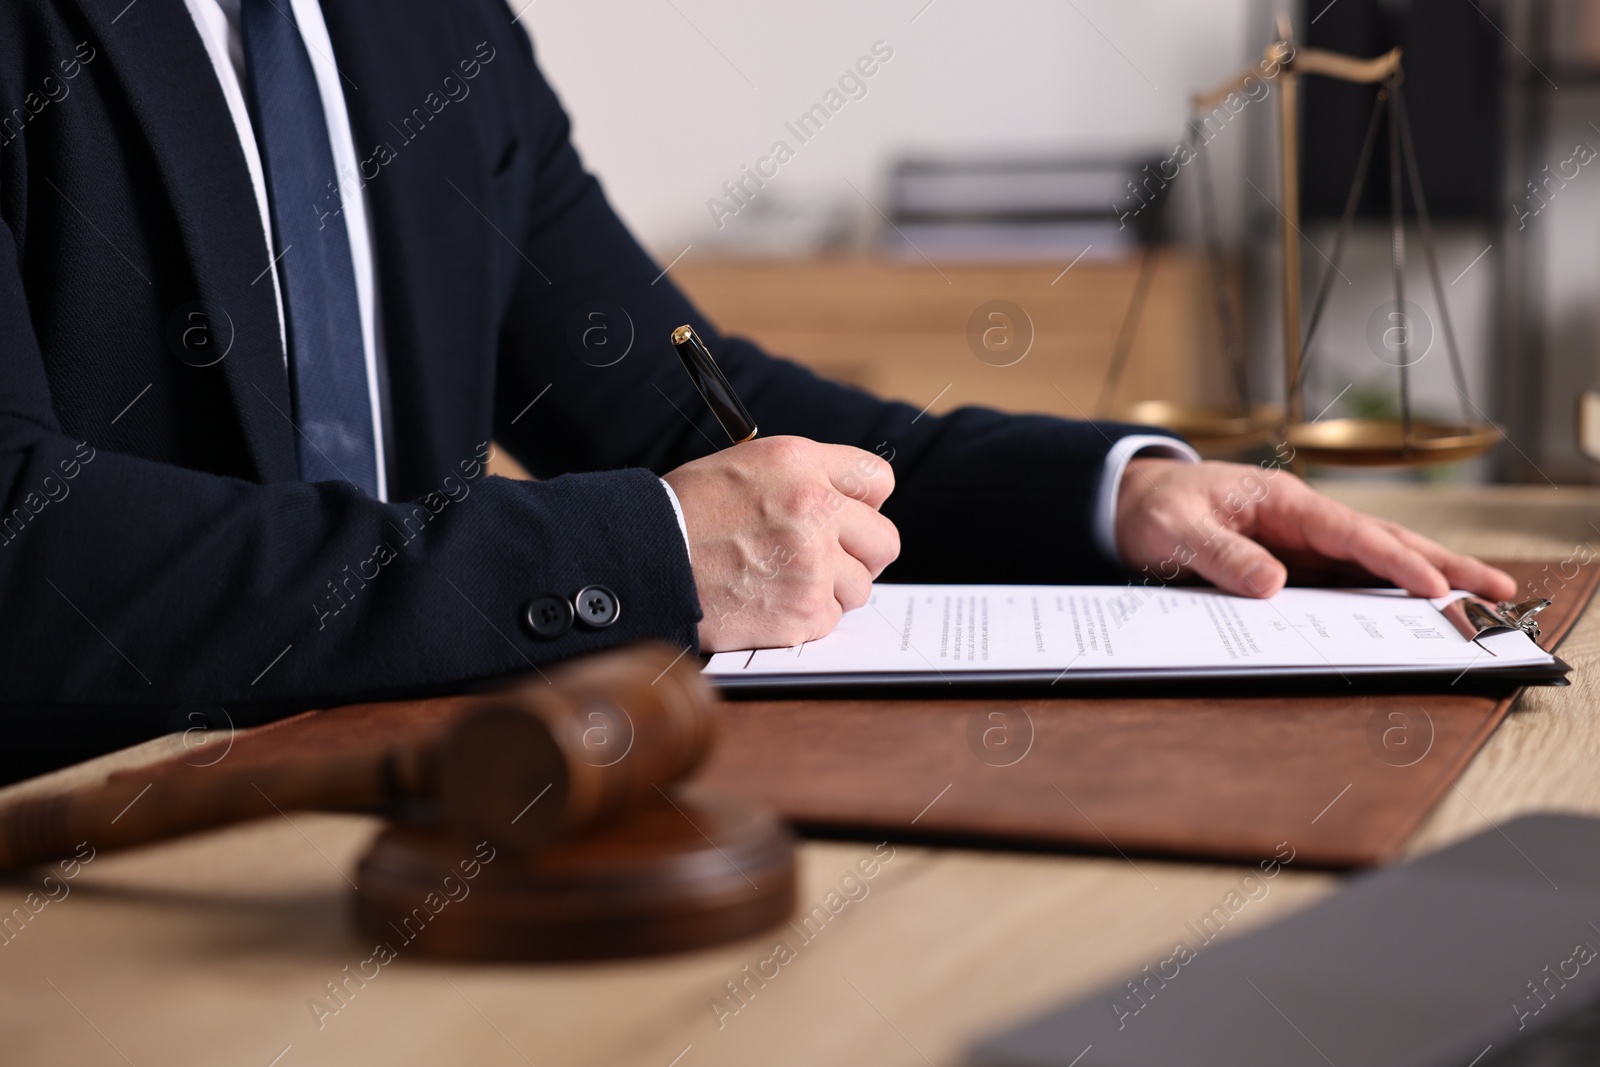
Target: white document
932, 633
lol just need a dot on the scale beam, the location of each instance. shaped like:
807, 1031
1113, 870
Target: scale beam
1283, 55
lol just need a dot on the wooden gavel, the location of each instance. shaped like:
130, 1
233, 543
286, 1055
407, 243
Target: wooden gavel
519, 768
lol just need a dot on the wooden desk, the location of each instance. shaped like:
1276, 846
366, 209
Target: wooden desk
208, 951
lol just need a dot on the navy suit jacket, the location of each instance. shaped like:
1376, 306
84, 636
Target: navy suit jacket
156, 549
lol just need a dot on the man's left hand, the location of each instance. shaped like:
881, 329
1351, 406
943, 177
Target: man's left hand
1243, 528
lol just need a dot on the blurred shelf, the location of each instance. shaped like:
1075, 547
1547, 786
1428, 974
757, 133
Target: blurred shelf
902, 330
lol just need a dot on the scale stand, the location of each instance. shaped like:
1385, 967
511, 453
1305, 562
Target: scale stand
1405, 442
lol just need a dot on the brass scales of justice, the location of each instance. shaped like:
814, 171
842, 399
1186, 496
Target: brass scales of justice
1220, 430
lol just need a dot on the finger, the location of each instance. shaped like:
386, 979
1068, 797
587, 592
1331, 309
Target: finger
858, 474
822, 623
1362, 539
868, 537
1235, 564
1462, 572
1388, 557
852, 585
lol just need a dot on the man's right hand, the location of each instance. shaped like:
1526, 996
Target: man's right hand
784, 537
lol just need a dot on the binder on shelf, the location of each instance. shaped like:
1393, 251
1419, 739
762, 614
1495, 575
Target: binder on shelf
1010, 209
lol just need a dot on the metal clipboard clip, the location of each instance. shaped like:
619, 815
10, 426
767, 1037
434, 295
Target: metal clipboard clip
1476, 618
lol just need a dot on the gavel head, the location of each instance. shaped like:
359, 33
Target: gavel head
558, 756
599, 850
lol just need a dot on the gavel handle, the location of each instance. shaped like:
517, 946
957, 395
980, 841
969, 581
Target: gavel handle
130, 809
479, 773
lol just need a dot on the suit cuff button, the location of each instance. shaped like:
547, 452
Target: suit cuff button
548, 616
597, 607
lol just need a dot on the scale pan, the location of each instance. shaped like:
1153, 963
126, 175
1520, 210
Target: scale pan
1214, 431
1383, 442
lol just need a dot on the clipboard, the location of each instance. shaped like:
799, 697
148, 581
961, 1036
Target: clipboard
1477, 620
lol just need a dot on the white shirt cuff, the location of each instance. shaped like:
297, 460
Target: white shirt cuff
677, 509
1105, 505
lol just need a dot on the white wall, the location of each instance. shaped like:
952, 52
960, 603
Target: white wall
670, 97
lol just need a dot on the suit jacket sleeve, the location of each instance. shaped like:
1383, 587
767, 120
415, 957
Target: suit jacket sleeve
981, 496
133, 583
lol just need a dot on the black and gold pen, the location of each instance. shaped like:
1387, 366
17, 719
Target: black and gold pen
713, 385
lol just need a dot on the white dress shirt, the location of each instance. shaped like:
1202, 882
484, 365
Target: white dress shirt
1125, 448
218, 23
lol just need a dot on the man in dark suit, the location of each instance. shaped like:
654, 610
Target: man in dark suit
272, 277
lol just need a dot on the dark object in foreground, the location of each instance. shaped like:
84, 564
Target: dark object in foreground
1469, 955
